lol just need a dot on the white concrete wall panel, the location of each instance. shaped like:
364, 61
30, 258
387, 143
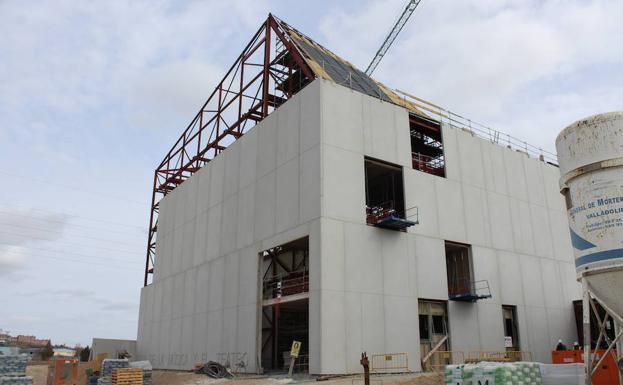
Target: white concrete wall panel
420, 192
464, 326
287, 208
363, 258
288, 125
511, 279
333, 257
515, 175
501, 221
534, 181
248, 159
309, 186
470, 159
343, 190
342, 118
451, 152
311, 115
333, 338
490, 326
450, 210
353, 329
432, 281
476, 207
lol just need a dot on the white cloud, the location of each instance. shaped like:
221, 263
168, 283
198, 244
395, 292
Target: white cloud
71, 58
12, 258
483, 58
22, 227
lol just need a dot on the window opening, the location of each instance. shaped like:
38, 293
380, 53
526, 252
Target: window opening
285, 305
461, 283
385, 203
511, 329
433, 319
427, 145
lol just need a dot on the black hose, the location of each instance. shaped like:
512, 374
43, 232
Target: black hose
216, 370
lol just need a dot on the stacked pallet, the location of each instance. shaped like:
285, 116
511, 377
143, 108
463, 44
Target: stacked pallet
13, 370
127, 376
108, 366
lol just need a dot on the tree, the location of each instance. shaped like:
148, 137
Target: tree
47, 352
85, 353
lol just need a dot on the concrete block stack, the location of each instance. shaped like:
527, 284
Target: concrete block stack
107, 367
26, 380
494, 373
13, 370
147, 370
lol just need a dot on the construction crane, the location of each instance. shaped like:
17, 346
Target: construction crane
400, 23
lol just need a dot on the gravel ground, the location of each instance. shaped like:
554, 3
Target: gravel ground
167, 377
38, 372
162, 377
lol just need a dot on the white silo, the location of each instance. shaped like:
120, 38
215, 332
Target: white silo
590, 155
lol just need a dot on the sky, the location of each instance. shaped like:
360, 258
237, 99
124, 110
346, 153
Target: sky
93, 94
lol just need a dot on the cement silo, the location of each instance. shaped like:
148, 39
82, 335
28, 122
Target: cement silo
590, 154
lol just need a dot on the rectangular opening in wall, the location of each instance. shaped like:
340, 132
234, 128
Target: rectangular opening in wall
511, 328
577, 309
459, 269
433, 319
385, 202
426, 145
285, 305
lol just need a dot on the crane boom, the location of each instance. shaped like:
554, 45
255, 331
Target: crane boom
402, 20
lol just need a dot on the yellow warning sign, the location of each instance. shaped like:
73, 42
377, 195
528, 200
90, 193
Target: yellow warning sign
296, 348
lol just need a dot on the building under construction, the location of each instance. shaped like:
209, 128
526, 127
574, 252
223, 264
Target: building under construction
307, 201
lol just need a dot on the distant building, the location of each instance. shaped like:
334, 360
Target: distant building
31, 341
9, 350
64, 352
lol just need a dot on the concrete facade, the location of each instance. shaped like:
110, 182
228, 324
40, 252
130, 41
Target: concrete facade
300, 172
113, 348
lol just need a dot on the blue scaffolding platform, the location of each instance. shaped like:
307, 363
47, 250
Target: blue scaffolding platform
393, 222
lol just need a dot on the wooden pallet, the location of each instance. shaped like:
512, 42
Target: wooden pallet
127, 376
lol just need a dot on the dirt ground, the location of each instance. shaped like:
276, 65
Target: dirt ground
38, 372
161, 377
167, 377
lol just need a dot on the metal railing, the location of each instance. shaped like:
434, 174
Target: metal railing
374, 214
441, 358
467, 287
282, 285
478, 129
390, 362
498, 356
428, 164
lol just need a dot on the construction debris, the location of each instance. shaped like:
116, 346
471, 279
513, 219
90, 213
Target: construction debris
213, 369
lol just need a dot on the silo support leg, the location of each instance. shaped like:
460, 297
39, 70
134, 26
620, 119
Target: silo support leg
586, 328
